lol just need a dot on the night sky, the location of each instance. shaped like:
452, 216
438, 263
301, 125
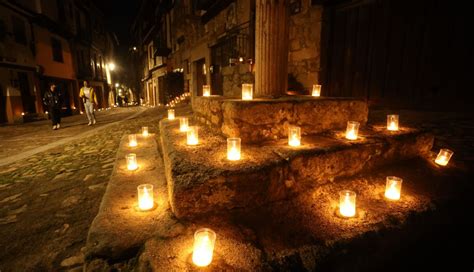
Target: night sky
119, 16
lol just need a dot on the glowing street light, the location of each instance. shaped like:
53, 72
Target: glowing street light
117, 85
111, 66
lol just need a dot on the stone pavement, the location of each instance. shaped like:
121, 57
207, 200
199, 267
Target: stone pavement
48, 200
21, 141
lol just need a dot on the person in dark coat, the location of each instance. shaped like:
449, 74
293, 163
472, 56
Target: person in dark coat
53, 100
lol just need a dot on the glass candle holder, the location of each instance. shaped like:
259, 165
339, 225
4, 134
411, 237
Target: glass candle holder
294, 136
170, 114
132, 140
183, 124
203, 249
316, 90
145, 131
131, 161
352, 130
393, 188
145, 197
347, 203
233, 149
206, 90
192, 137
392, 122
247, 91
444, 156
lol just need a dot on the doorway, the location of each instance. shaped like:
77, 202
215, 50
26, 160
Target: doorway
200, 75
27, 99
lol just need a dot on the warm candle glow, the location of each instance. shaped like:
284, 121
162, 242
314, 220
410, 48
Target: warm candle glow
145, 131
347, 203
206, 90
171, 114
192, 135
183, 124
132, 140
145, 197
316, 90
392, 122
247, 91
294, 136
132, 161
393, 188
444, 156
233, 149
352, 130
204, 241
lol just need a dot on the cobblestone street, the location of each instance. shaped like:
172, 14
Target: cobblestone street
49, 199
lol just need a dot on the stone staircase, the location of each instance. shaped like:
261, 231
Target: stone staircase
273, 210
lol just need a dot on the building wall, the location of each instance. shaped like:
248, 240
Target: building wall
305, 44
16, 58
44, 55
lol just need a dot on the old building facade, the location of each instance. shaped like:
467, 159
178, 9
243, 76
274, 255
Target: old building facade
48, 41
213, 43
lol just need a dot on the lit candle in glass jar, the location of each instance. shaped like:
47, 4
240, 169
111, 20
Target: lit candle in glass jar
294, 136
247, 91
170, 114
347, 203
393, 188
203, 249
233, 149
316, 90
206, 90
145, 131
444, 156
132, 161
132, 140
183, 124
352, 130
192, 135
392, 122
145, 197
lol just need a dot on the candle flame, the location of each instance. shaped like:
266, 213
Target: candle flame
392, 192
347, 208
203, 251
442, 160
294, 141
146, 200
393, 126
351, 135
233, 154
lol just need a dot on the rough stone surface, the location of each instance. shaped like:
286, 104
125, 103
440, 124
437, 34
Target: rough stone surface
201, 180
304, 48
268, 119
119, 228
233, 77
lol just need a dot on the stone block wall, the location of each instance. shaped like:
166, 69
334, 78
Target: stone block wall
305, 44
234, 76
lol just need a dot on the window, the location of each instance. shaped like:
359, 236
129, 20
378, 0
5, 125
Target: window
57, 50
19, 30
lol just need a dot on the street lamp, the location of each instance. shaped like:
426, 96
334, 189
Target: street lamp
111, 66
117, 85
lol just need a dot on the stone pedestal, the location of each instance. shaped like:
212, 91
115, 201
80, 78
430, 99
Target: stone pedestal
260, 120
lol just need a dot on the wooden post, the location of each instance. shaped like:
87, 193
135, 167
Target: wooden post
271, 48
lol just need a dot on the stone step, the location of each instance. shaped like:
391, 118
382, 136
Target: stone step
306, 234
268, 119
120, 228
201, 180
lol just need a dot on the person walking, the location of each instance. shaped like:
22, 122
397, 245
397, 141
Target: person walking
53, 100
89, 98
